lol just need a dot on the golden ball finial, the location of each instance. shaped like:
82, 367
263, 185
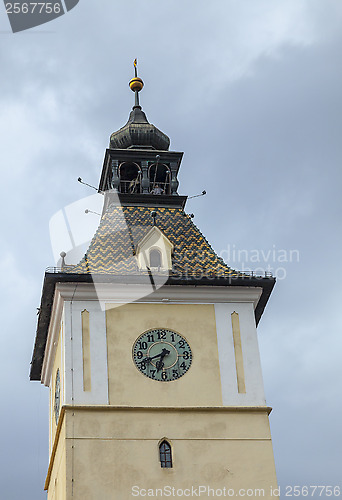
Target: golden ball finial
136, 84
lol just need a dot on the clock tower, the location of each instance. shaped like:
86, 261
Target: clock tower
149, 346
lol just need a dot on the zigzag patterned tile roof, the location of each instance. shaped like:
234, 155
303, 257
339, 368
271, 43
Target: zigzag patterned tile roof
112, 249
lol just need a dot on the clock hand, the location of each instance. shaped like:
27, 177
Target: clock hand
163, 353
160, 364
156, 356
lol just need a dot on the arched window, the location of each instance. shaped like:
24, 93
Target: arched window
165, 455
155, 258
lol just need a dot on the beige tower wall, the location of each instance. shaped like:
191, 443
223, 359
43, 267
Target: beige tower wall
102, 451
204, 317
57, 365
128, 386
57, 478
109, 451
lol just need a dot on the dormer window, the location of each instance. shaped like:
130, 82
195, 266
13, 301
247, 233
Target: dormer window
154, 251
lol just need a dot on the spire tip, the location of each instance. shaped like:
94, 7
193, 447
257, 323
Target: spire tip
136, 84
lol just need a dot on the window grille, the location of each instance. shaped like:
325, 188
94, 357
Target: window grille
165, 455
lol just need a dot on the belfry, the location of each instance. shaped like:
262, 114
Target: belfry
149, 346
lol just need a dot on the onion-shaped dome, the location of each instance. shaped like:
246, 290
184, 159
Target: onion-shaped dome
138, 133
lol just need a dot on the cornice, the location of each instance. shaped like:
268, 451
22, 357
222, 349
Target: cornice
52, 339
174, 294
227, 409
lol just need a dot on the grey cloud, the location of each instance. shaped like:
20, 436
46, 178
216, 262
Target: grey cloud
259, 120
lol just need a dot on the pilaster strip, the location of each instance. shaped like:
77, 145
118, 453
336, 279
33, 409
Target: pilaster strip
86, 351
240, 372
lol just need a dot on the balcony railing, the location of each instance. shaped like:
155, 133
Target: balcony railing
58, 270
241, 274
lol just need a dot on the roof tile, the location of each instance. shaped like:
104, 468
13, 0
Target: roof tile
112, 249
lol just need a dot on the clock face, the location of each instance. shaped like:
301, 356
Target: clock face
57, 395
162, 354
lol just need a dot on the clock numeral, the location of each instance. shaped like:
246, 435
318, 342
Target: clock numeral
186, 355
139, 355
164, 375
142, 345
161, 335
153, 373
150, 338
143, 365
172, 337
181, 343
175, 373
183, 366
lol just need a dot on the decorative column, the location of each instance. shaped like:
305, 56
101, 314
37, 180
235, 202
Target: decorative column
174, 180
145, 182
115, 182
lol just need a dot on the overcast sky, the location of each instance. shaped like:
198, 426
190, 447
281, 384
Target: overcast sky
250, 90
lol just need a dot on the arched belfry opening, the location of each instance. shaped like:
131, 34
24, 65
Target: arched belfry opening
130, 177
165, 455
160, 178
